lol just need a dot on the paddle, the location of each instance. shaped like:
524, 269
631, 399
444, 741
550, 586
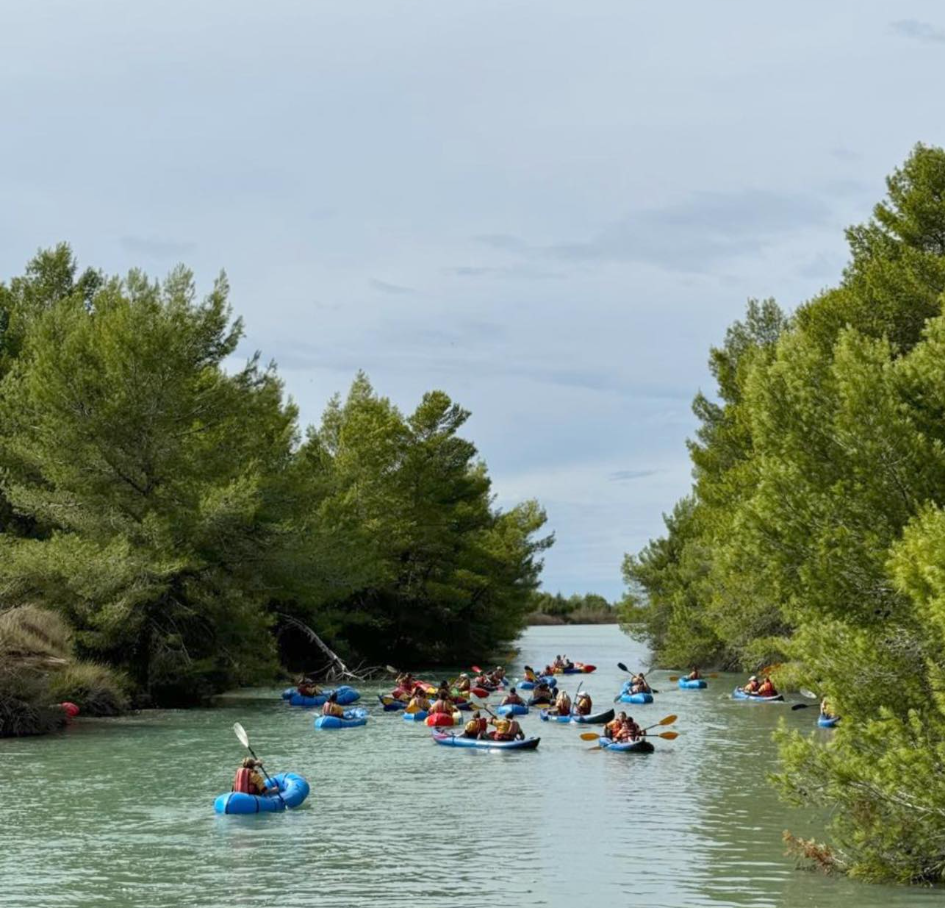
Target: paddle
668, 735
807, 693
244, 740
800, 706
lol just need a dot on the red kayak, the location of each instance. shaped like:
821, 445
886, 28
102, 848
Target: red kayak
441, 720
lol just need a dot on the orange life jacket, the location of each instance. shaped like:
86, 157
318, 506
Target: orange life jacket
767, 689
243, 783
333, 709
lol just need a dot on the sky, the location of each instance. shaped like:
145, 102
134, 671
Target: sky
549, 210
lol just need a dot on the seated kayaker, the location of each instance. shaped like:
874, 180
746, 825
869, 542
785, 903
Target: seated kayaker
628, 731
825, 709
499, 674
584, 704
512, 699
307, 687
249, 780
612, 727
332, 707
549, 670
418, 702
753, 685
507, 729
444, 689
484, 681
767, 689
568, 664
441, 705
543, 692
558, 663
694, 674
530, 676
562, 705
476, 727
639, 684
463, 684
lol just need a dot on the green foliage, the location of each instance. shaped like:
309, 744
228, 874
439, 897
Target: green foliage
575, 609
814, 533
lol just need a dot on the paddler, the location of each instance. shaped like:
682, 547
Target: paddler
307, 687
249, 780
562, 705
825, 710
512, 699
753, 685
499, 674
332, 707
584, 704
767, 688
463, 684
694, 674
442, 704
612, 727
507, 729
542, 693
628, 730
418, 702
476, 727
639, 685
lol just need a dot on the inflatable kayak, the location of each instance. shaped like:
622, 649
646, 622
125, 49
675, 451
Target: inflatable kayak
636, 698
540, 701
418, 716
512, 709
548, 717
550, 680
443, 720
628, 747
739, 694
293, 790
352, 719
449, 740
579, 669
827, 721
346, 696
697, 684
391, 706
594, 718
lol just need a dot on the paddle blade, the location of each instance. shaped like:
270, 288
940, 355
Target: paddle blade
240, 733
674, 677
624, 668
808, 693
391, 669
667, 721
799, 706
589, 736
669, 735
476, 669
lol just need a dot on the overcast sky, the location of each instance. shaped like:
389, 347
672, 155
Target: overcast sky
549, 210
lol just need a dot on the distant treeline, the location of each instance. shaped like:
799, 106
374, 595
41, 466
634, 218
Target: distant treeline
167, 508
575, 609
814, 535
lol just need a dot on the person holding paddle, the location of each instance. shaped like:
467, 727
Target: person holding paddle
506, 729
249, 780
476, 727
512, 699
615, 724
767, 689
418, 702
463, 684
584, 704
628, 730
307, 687
694, 674
442, 704
639, 685
562, 705
332, 707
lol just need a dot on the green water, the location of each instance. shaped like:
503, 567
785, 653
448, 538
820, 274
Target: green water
119, 812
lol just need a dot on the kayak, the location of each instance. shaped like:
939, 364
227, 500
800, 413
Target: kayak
550, 680
540, 701
628, 747
391, 706
346, 696
739, 694
436, 720
352, 719
512, 709
480, 692
579, 669
697, 684
636, 698
293, 790
418, 716
595, 718
827, 721
449, 740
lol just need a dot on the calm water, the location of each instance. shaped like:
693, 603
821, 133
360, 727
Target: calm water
119, 812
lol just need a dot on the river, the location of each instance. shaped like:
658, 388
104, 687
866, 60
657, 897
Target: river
118, 813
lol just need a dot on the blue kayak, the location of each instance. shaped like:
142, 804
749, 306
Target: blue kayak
595, 719
547, 717
346, 696
827, 721
636, 698
628, 747
392, 704
739, 694
697, 684
352, 719
512, 709
293, 790
418, 716
551, 681
449, 740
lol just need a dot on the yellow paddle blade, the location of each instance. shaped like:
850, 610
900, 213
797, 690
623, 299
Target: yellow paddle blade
412, 709
674, 677
669, 735
667, 721
589, 736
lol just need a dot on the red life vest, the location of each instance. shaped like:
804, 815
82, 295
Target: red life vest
243, 783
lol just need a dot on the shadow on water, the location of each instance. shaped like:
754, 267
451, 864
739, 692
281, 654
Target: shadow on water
119, 812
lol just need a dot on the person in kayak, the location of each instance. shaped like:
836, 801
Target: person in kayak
628, 731
476, 727
507, 729
767, 688
825, 710
558, 663
562, 704
613, 726
567, 664
753, 685
307, 687
463, 685
498, 676
442, 705
332, 707
512, 699
694, 674
543, 693
584, 704
418, 702
249, 780
639, 685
